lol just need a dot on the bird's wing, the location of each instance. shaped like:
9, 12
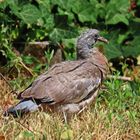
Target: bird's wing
67, 82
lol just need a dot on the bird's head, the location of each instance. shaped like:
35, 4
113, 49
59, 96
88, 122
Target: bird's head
86, 40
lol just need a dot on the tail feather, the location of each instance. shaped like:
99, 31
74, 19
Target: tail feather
21, 108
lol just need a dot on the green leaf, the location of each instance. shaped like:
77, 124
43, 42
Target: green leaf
67, 134
29, 14
3, 4
46, 19
64, 4
101, 10
95, 2
112, 51
133, 48
118, 18
117, 12
27, 59
122, 5
45, 3
70, 43
58, 34
67, 13
85, 12
136, 19
122, 37
14, 6
44, 10
28, 134
64, 7
115, 6
86, 16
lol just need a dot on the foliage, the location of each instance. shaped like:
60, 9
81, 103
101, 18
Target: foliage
60, 21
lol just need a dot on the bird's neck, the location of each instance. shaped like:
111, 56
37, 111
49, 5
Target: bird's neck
94, 56
83, 51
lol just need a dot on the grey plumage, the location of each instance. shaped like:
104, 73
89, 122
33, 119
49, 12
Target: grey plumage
24, 106
68, 86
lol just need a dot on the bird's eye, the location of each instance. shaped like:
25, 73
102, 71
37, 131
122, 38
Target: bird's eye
96, 36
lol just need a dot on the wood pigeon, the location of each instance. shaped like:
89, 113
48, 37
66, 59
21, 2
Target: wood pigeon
68, 86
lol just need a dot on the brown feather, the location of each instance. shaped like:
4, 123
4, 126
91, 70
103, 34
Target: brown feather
68, 82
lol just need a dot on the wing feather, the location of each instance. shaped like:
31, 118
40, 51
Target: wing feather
68, 82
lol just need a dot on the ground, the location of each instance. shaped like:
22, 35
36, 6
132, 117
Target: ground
115, 115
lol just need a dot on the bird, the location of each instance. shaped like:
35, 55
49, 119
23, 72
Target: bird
69, 86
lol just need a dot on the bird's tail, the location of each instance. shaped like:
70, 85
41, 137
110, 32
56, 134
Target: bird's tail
24, 106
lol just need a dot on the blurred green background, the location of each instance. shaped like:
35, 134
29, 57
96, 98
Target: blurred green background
26, 25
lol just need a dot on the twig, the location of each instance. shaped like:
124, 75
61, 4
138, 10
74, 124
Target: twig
9, 84
26, 68
124, 78
34, 43
39, 43
25, 127
110, 137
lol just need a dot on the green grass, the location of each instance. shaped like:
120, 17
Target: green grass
114, 116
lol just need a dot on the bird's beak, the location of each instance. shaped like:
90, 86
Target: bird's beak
102, 39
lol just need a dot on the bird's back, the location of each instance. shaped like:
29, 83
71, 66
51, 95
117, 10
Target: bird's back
67, 82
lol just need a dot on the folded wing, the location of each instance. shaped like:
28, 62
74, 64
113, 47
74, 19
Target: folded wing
68, 82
